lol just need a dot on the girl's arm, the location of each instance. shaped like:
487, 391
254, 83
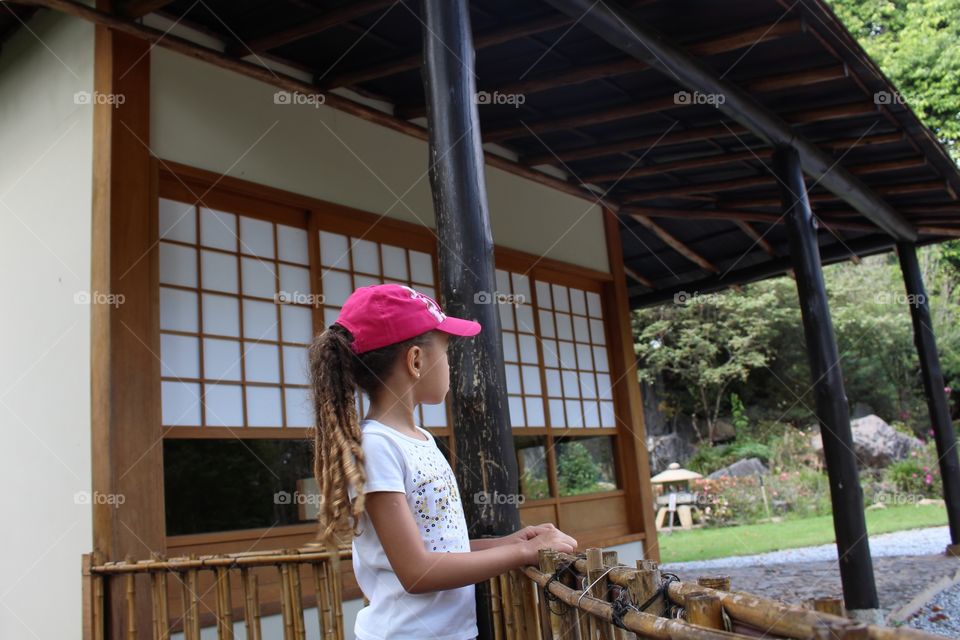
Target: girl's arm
421, 571
478, 544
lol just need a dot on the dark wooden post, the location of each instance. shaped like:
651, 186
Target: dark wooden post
933, 387
486, 463
846, 496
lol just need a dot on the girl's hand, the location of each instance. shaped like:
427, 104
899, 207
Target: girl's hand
531, 531
548, 538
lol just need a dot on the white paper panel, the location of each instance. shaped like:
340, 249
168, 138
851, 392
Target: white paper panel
292, 243
588, 385
503, 281
521, 287
295, 280
551, 357
180, 403
221, 315
421, 267
221, 359
263, 407
360, 280
604, 389
256, 237
394, 262
597, 334
578, 303
428, 291
564, 326
581, 330
531, 380
224, 405
218, 271
366, 257
299, 411
574, 413
330, 315
571, 387
178, 265
218, 229
510, 346
260, 320
179, 356
295, 365
434, 415
506, 317
567, 358
178, 310
557, 418
178, 221
591, 414
554, 388
525, 318
336, 287
261, 362
334, 250
535, 417
593, 305
544, 299
560, 302
600, 359
584, 361
516, 411
259, 278
607, 415
546, 324
296, 324
528, 349
513, 378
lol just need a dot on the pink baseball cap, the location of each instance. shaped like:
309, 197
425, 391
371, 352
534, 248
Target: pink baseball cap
382, 314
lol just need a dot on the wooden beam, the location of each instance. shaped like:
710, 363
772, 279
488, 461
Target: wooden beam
484, 439
748, 229
705, 187
672, 241
933, 387
699, 162
613, 68
622, 30
645, 281
741, 216
140, 8
849, 521
628, 401
331, 18
125, 338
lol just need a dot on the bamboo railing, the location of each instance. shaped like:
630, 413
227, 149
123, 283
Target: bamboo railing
185, 592
591, 595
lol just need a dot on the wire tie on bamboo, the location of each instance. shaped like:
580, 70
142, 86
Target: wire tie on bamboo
562, 566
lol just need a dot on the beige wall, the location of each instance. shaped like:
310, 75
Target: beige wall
223, 122
45, 209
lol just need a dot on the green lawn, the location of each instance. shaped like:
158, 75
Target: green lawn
703, 544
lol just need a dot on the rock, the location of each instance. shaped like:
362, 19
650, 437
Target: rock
667, 449
723, 431
740, 469
875, 443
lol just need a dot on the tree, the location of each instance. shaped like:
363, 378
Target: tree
705, 343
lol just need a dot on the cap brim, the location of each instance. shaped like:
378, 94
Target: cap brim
459, 326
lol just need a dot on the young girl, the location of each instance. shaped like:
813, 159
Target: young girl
412, 555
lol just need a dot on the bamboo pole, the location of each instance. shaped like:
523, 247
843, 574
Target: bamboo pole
224, 611
496, 608
531, 608
161, 610
516, 597
131, 597
333, 564
297, 602
829, 604
286, 607
597, 578
259, 559
705, 610
322, 595
720, 583
250, 605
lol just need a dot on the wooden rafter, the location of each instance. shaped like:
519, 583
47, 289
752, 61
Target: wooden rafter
140, 8
645, 281
757, 237
675, 243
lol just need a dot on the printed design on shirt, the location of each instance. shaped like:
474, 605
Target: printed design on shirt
437, 507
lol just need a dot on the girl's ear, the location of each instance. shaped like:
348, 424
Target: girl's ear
414, 361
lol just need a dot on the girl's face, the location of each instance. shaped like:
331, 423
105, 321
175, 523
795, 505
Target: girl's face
431, 363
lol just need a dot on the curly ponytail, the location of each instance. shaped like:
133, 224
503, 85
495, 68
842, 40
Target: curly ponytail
336, 372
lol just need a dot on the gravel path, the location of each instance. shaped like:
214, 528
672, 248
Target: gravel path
940, 615
913, 542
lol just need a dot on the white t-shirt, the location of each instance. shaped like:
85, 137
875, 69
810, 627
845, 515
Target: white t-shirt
397, 462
